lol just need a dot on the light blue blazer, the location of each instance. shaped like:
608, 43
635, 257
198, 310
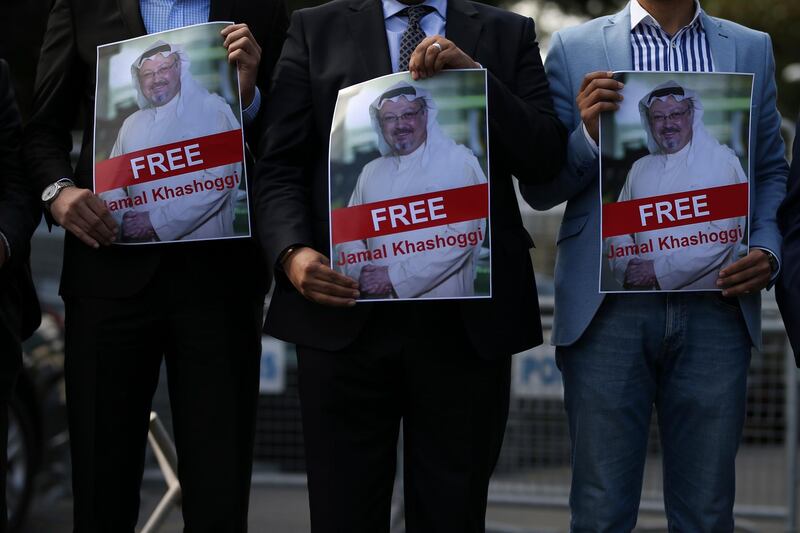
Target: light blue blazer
604, 44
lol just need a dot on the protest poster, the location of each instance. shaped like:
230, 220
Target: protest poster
168, 144
674, 181
409, 187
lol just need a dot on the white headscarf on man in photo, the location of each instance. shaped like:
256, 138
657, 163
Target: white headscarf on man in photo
190, 89
436, 138
702, 141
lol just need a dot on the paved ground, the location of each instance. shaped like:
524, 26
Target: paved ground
285, 510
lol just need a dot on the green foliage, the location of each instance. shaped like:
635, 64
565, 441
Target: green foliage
589, 8
779, 18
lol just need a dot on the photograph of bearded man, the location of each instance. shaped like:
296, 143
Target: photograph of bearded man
174, 106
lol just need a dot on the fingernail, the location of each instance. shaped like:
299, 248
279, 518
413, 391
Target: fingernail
724, 293
620, 84
356, 294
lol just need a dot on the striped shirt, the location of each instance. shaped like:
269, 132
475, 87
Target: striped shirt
162, 15
655, 49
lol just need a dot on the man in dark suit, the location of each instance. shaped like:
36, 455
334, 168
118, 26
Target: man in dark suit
788, 287
19, 308
196, 305
441, 366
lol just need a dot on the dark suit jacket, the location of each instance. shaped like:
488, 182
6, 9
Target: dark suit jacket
19, 216
788, 287
343, 43
65, 82
20, 45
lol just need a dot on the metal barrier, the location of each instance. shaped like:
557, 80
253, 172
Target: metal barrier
164, 451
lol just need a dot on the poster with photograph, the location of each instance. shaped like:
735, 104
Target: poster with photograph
409, 187
674, 181
168, 144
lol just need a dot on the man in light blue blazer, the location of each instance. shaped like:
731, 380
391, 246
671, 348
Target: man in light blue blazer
685, 353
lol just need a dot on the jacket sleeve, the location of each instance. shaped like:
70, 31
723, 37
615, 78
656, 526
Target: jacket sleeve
47, 138
282, 184
789, 218
771, 169
271, 42
19, 207
788, 287
581, 165
526, 132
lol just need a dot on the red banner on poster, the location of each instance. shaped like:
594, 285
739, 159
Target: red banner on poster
673, 210
410, 213
168, 160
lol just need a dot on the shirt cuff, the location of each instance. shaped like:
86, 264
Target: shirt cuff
589, 140
5, 245
777, 259
249, 114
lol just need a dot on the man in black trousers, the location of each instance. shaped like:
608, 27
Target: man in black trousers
442, 367
788, 287
196, 306
19, 309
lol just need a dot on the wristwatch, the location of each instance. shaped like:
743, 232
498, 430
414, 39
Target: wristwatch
773, 261
52, 191
287, 252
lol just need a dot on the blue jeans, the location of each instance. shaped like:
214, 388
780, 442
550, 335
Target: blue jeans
688, 355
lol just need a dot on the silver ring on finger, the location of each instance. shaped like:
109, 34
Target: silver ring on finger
437, 45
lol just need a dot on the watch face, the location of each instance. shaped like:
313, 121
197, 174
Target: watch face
49, 192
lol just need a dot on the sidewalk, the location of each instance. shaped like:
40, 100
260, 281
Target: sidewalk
285, 510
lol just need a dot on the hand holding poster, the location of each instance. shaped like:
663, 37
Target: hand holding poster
168, 138
409, 186
674, 181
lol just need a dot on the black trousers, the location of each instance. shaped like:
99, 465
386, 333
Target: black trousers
210, 340
10, 365
412, 363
